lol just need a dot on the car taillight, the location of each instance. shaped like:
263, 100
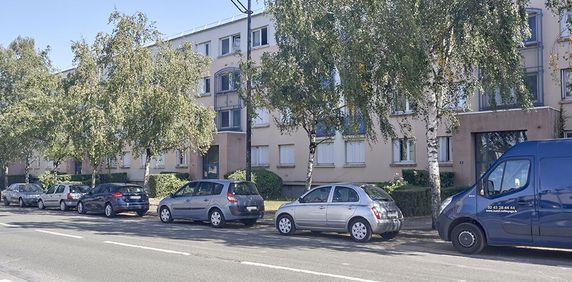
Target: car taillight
70, 196
231, 198
116, 194
376, 213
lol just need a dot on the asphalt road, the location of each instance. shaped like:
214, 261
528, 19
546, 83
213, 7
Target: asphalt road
64, 246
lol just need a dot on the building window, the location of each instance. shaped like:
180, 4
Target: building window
490, 146
204, 48
401, 105
260, 37
229, 119
159, 161
325, 153
182, 158
355, 152
445, 149
50, 165
229, 81
458, 101
565, 24
404, 150
532, 81
126, 160
533, 26
112, 162
142, 159
259, 155
286, 155
262, 117
566, 84
568, 134
229, 44
205, 86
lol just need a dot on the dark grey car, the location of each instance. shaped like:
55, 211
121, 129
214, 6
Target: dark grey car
23, 194
112, 198
216, 201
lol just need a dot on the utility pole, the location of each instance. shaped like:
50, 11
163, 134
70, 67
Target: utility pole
248, 11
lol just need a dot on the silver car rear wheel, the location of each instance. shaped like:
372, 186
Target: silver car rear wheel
360, 230
63, 206
217, 218
41, 205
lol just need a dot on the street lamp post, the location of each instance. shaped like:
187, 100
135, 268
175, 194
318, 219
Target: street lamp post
248, 11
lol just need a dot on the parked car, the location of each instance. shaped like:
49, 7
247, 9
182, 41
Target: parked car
62, 195
523, 199
216, 201
23, 194
113, 198
360, 209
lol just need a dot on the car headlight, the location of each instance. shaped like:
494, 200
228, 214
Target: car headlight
444, 204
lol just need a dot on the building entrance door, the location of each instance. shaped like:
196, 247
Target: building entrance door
211, 163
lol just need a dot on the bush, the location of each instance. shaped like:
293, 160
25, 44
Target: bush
269, 184
421, 177
180, 175
48, 178
416, 201
161, 185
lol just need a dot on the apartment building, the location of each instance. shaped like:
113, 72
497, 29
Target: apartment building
482, 137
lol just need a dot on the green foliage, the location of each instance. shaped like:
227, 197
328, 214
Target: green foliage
421, 177
161, 185
120, 177
416, 201
396, 183
49, 178
269, 184
180, 175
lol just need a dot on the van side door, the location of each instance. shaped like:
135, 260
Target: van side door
506, 201
555, 202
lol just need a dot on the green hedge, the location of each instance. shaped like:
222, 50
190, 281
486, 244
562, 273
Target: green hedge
421, 177
416, 201
161, 185
269, 184
17, 179
120, 177
180, 175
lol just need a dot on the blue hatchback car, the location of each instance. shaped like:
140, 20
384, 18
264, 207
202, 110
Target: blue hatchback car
112, 198
523, 199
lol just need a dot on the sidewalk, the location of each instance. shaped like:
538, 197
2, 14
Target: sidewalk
413, 227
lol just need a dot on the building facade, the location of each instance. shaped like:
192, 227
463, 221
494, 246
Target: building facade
482, 137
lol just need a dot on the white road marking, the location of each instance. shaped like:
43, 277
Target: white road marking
7, 225
59, 234
148, 248
5, 280
305, 271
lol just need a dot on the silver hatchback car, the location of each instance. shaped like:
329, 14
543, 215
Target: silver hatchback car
216, 201
360, 209
62, 195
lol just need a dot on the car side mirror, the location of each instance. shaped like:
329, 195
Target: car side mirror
171, 195
301, 200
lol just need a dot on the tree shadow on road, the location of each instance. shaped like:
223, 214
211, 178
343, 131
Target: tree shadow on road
259, 236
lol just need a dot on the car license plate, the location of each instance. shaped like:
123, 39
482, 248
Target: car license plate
136, 197
392, 214
250, 209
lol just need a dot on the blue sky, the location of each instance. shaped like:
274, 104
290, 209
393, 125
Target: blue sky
59, 22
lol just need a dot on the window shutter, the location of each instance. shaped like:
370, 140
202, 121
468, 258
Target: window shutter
396, 151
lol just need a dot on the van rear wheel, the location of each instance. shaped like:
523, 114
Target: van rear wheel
468, 238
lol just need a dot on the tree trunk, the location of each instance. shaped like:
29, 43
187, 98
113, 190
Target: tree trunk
146, 175
5, 176
431, 125
27, 170
311, 156
93, 175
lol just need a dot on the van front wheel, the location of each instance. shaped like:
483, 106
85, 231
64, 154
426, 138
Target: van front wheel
468, 238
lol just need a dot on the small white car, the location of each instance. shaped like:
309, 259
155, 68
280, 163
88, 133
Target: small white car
62, 195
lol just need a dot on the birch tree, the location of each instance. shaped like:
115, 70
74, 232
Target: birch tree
26, 80
160, 83
435, 53
297, 82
